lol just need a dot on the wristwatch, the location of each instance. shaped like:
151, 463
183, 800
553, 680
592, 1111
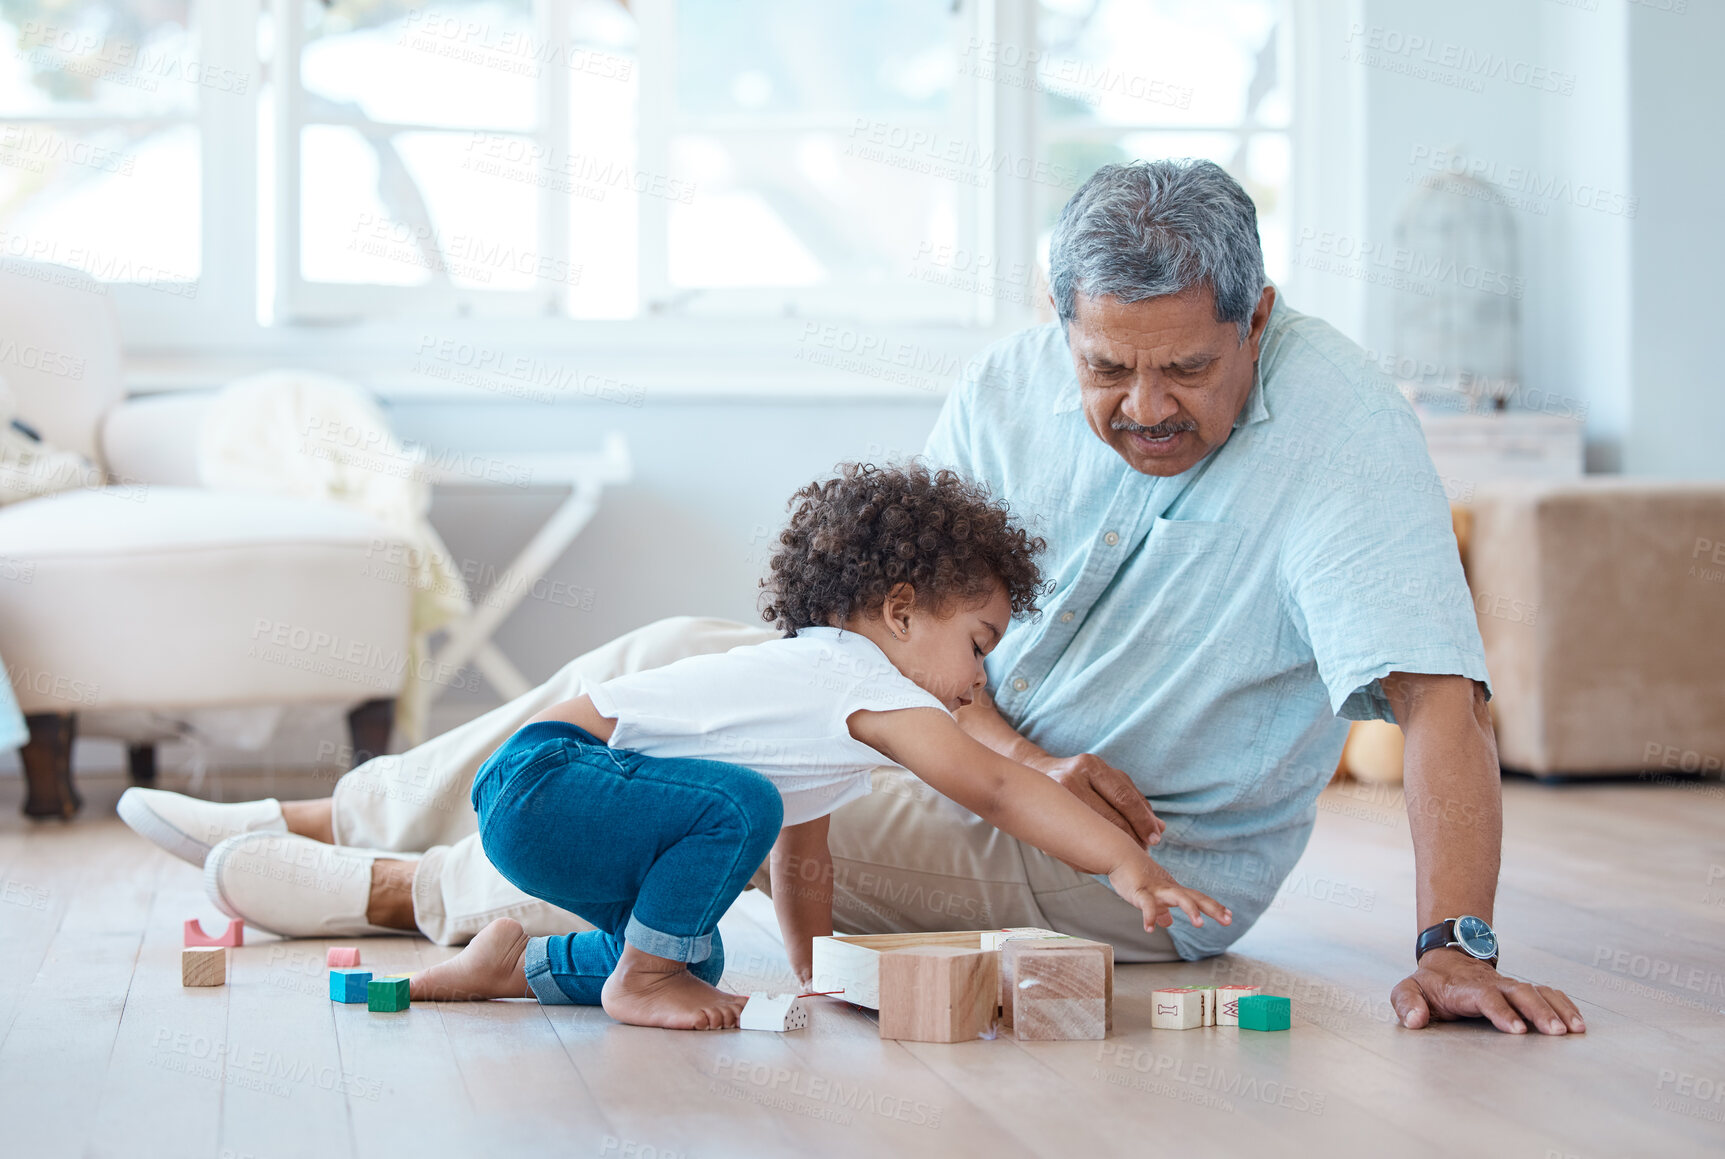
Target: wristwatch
1471, 935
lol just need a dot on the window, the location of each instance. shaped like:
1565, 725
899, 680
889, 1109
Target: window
666, 168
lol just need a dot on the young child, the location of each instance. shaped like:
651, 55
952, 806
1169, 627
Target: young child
646, 805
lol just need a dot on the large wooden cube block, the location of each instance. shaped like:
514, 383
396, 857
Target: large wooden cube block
1008, 986
1177, 1008
850, 963
938, 993
1059, 988
204, 966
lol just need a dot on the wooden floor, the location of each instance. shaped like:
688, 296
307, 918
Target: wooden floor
1616, 893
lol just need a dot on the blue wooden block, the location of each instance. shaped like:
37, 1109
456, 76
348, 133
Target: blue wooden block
348, 985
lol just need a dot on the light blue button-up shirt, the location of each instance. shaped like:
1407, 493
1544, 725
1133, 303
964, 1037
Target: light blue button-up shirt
1212, 632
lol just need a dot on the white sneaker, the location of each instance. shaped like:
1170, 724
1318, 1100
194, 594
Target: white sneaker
189, 828
294, 886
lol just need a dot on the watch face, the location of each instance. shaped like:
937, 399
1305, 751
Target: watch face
1476, 937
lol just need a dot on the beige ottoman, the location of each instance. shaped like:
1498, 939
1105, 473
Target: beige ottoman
1602, 605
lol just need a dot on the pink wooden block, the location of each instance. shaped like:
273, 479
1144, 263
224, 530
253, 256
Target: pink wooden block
195, 936
345, 956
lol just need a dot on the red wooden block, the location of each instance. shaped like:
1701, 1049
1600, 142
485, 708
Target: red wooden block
347, 956
195, 936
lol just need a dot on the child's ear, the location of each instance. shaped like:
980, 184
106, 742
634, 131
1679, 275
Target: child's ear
900, 602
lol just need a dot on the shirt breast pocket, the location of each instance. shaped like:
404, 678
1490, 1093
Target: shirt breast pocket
1183, 573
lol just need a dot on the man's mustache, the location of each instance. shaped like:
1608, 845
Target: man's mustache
1159, 431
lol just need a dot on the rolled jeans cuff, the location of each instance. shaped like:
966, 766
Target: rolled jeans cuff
538, 966
663, 945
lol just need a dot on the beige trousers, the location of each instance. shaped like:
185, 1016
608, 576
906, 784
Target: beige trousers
904, 858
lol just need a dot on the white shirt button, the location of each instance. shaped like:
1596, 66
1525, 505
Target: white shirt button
1020, 684
1065, 617
1111, 539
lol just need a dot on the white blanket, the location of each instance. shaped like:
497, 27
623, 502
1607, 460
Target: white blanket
292, 432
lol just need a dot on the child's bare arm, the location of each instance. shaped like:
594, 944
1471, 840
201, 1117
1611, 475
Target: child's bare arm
1020, 801
579, 711
801, 868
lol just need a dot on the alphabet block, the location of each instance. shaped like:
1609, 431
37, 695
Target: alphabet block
1059, 988
1228, 1003
1265, 1012
349, 985
1008, 986
342, 956
195, 936
775, 1012
938, 993
204, 966
387, 995
1177, 1008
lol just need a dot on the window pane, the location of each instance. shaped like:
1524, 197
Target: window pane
461, 63
775, 57
412, 209
129, 57
808, 209
119, 203
1154, 62
597, 178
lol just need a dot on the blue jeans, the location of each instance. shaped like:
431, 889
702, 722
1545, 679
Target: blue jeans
652, 851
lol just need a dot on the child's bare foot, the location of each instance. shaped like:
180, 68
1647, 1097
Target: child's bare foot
490, 967
646, 990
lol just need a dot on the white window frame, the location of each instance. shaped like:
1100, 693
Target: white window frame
173, 344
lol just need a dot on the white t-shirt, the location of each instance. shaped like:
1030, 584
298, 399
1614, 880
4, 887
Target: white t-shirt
779, 708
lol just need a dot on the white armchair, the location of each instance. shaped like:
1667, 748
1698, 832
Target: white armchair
154, 593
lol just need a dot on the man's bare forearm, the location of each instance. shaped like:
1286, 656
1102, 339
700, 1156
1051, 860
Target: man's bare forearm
1453, 792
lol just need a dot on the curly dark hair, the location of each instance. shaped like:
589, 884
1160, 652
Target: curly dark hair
854, 537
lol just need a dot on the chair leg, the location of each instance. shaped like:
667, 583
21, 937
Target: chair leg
369, 726
141, 762
48, 766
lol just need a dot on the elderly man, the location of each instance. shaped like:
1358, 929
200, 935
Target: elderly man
1248, 547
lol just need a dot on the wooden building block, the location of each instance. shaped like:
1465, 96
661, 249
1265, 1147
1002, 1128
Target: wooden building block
995, 939
204, 966
387, 995
1059, 988
348, 985
1209, 995
195, 936
775, 1012
1177, 1008
938, 993
1040, 937
850, 963
1228, 1003
1265, 1012
346, 956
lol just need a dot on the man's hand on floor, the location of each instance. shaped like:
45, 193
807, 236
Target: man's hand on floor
1450, 985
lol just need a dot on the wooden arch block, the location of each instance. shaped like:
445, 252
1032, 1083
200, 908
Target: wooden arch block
195, 936
938, 993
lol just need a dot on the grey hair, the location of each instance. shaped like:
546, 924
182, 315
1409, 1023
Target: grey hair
1153, 228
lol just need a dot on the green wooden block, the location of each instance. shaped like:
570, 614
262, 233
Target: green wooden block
388, 995
1265, 1012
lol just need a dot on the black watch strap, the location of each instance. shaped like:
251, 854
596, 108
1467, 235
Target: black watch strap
1439, 936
